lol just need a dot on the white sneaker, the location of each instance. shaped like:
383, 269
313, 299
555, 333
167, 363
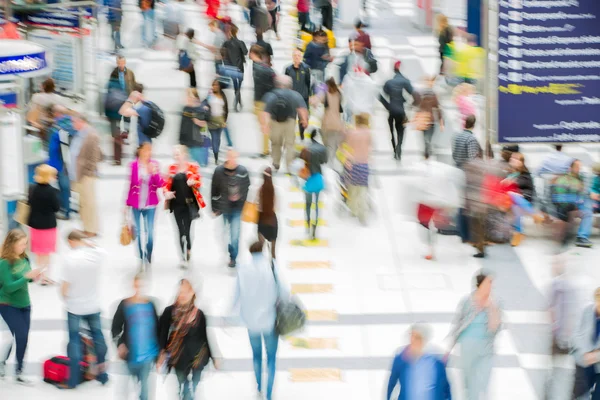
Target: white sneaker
19, 379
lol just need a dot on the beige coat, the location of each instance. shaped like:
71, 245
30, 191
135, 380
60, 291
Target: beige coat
89, 156
332, 120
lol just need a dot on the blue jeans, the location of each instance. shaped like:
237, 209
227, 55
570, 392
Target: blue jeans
75, 347
187, 387
520, 207
271, 340
462, 223
215, 135
149, 24
18, 321
586, 213
141, 372
64, 184
233, 219
147, 214
199, 155
228, 137
142, 138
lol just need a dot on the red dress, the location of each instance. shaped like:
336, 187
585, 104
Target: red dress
192, 172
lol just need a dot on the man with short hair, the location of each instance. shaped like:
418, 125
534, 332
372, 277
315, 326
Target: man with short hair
264, 82
80, 281
465, 146
135, 107
358, 57
120, 85
421, 375
301, 77
229, 190
317, 56
86, 173
278, 119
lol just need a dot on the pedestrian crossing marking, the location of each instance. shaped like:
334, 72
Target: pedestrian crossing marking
309, 264
300, 205
298, 223
321, 315
309, 243
303, 288
314, 343
315, 375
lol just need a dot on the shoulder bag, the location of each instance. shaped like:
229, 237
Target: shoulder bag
289, 315
250, 211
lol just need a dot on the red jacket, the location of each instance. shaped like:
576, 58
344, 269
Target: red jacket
192, 172
303, 6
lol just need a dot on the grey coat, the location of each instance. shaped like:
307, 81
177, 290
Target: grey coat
465, 314
584, 337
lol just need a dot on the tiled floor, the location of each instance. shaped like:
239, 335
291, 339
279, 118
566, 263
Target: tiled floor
379, 281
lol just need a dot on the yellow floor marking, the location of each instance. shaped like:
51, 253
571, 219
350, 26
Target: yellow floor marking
302, 288
309, 264
309, 243
297, 223
315, 375
300, 205
314, 343
321, 315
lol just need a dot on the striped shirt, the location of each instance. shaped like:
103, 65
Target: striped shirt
465, 148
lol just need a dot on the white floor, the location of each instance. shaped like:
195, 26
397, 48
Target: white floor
381, 283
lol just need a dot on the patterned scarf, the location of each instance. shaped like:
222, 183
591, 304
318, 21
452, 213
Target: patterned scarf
184, 318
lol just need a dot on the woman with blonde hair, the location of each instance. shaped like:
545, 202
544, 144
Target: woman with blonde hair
15, 304
44, 203
182, 192
445, 37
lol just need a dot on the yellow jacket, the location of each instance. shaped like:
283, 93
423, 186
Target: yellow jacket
469, 60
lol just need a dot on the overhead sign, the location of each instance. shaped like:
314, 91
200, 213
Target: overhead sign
19, 64
549, 71
8, 100
60, 19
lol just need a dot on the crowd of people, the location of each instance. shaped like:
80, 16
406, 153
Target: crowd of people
483, 199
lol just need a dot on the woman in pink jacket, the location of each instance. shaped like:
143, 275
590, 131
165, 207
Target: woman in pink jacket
144, 182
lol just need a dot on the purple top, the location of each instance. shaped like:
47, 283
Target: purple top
155, 183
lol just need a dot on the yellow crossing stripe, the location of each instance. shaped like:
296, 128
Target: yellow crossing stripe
302, 288
314, 343
321, 315
297, 223
315, 375
309, 264
300, 205
309, 243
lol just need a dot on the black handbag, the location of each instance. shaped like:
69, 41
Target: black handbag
289, 315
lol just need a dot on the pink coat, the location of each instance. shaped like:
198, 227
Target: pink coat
155, 183
466, 107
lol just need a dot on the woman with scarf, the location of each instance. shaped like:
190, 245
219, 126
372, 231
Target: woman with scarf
183, 341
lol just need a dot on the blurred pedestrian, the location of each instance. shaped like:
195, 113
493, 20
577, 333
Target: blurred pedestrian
264, 82
360, 35
173, 19
463, 98
359, 57
136, 106
80, 290
235, 56
465, 146
144, 183
477, 321
219, 111
303, 7
395, 89
185, 43
445, 37
360, 94
88, 158
120, 85
194, 118
229, 190
114, 17
278, 120
267, 218
44, 204
184, 200
300, 74
317, 56
429, 115
421, 375
326, 9
15, 304
314, 155
260, 41
258, 289
274, 8
360, 144
219, 38
135, 331
183, 340
148, 27
332, 126
587, 355
38, 115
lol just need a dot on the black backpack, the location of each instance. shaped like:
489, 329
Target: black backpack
157, 121
280, 108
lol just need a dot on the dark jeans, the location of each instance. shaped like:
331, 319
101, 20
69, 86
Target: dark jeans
115, 130
462, 224
396, 120
183, 218
274, 19
233, 219
18, 321
304, 20
64, 184
309, 200
215, 135
145, 251
74, 349
187, 386
327, 15
192, 74
427, 139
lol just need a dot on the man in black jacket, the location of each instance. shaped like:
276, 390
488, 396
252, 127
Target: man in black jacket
300, 74
235, 56
264, 82
229, 190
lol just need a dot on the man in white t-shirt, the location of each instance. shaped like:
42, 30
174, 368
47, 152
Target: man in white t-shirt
80, 280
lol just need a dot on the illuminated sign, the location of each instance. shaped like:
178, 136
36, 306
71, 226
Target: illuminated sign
19, 64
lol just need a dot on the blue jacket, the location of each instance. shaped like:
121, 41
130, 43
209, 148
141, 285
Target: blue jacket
400, 374
114, 12
313, 56
55, 157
